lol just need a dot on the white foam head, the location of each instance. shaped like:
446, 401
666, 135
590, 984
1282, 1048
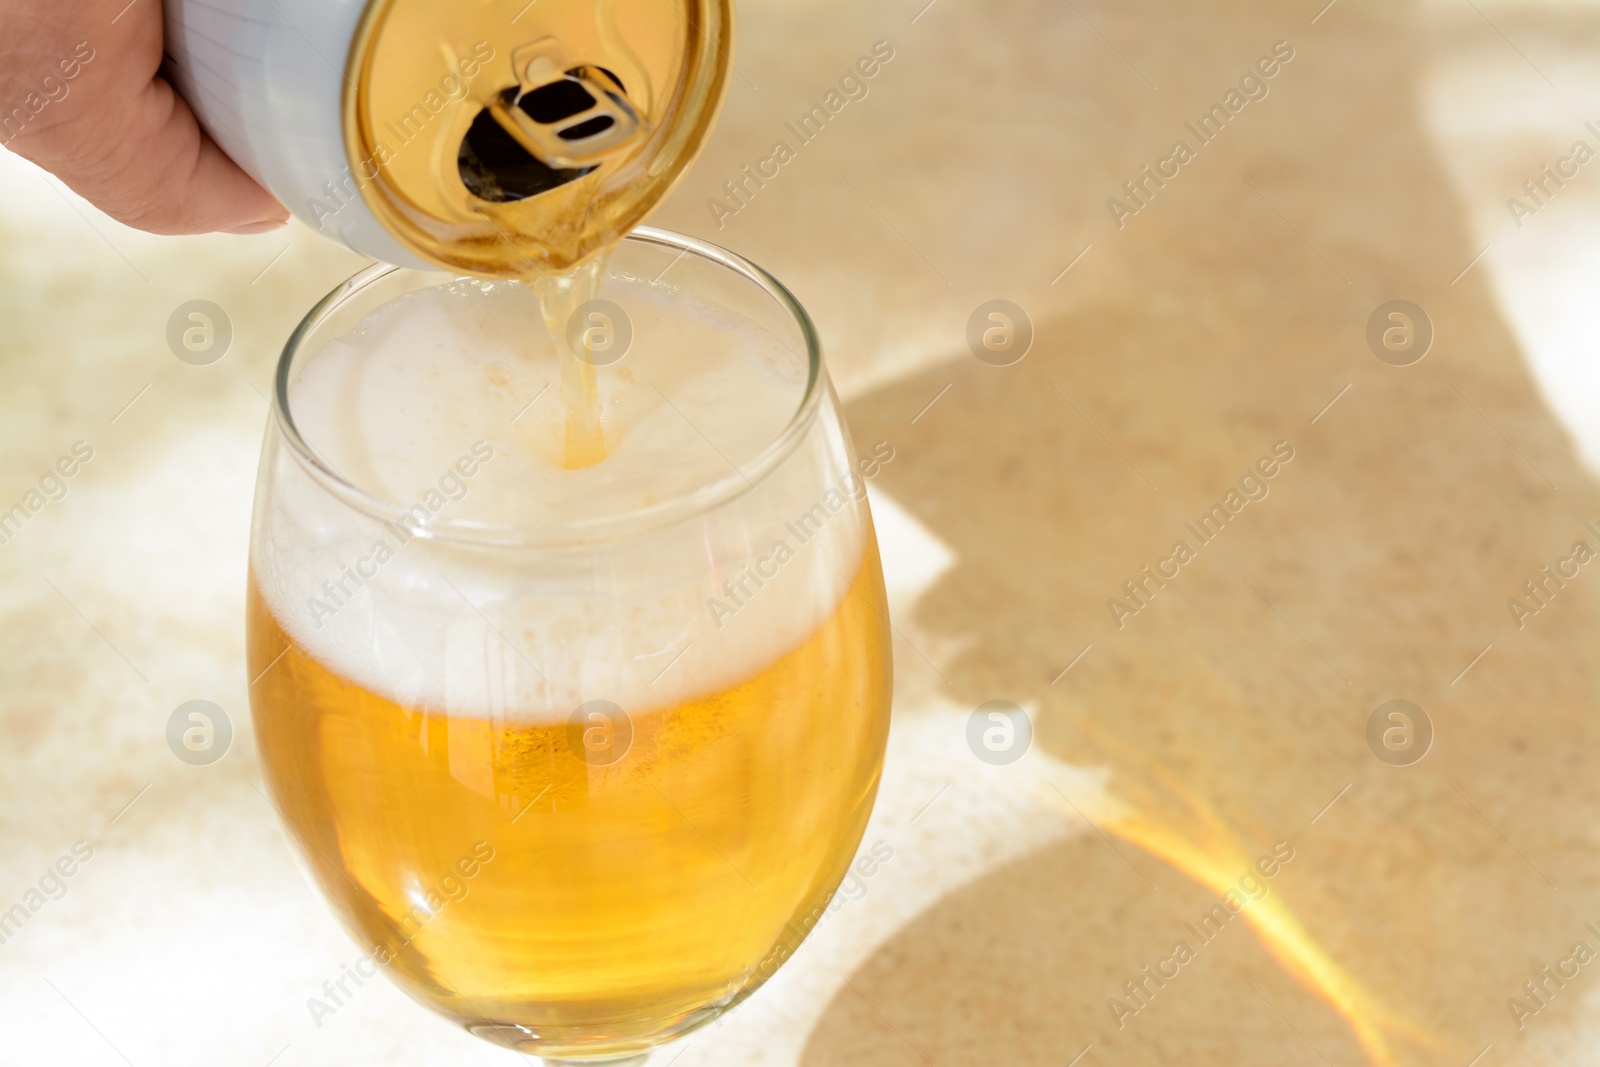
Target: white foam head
448, 399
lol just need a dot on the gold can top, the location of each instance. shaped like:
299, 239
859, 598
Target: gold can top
508, 138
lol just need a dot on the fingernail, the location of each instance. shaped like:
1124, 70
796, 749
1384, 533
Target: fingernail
259, 227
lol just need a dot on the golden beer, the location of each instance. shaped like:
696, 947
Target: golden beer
612, 901
578, 752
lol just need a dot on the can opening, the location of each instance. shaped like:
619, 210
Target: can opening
495, 167
532, 140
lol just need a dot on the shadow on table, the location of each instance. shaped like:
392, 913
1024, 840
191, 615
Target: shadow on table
1232, 708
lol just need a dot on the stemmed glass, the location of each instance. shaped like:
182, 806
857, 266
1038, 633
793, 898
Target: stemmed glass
578, 775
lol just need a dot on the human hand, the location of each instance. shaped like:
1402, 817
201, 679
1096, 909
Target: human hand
79, 95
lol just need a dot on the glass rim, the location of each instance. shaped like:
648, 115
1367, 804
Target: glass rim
704, 498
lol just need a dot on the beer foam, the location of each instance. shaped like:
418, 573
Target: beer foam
447, 401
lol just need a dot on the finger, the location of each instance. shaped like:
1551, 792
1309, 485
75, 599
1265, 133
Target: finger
143, 159
93, 111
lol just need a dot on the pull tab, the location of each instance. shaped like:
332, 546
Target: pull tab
566, 116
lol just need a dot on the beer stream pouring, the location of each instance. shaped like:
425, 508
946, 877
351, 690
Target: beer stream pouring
500, 139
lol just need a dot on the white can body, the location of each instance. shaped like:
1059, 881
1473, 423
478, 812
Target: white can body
266, 79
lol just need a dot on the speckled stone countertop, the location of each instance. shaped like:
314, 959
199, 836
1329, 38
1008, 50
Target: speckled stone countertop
1208, 737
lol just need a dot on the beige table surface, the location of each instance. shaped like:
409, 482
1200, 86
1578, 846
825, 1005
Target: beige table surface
1226, 716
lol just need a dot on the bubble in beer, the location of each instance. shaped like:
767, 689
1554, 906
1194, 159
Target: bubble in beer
999, 333
199, 332
1399, 733
599, 332
999, 732
1399, 333
599, 732
199, 733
